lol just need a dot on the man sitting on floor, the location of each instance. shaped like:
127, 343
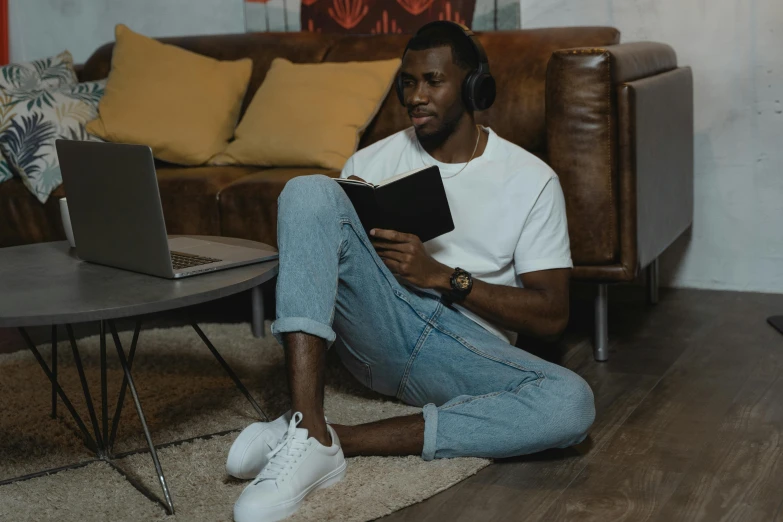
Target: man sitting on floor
404, 319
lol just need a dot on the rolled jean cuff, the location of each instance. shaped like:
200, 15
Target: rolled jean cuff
304, 325
430, 413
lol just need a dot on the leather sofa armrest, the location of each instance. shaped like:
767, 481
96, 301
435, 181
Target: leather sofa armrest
584, 131
632, 61
656, 168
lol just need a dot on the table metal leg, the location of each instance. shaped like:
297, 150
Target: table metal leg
54, 371
121, 399
257, 305
85, 388
48, 472
89, 441
230, 372
104, 440
126, 369
104, 390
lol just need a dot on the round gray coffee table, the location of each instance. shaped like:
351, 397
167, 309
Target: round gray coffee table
47, 284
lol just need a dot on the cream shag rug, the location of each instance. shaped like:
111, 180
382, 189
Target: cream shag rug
185, 393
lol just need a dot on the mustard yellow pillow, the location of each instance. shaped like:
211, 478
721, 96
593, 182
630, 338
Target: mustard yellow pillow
309, 114
183, 105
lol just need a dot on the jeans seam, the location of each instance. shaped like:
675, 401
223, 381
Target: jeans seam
405, 374
478, 352
485, 396
430, 324
392, 282
536, 382
337, 283
516, 390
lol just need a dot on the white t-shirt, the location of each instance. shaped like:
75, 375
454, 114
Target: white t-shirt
507, 206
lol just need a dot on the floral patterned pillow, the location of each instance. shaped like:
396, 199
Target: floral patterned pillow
16, 79
48, 73
33, 120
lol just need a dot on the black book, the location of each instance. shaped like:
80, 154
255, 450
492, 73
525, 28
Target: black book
413, 202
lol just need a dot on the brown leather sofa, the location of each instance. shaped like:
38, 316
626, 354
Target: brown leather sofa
615, 121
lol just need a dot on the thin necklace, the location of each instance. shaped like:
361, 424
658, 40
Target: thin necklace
475, 148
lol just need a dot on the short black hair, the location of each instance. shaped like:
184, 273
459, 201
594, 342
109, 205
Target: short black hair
462, 51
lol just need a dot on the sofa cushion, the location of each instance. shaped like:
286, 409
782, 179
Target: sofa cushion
261, 48
183, 105
248, 207
47, 73
28, 139
24, 220
310, 114
21, 83
190, 196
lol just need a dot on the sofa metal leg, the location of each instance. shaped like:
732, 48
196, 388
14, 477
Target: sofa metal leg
601, 343
257, 304
652, 282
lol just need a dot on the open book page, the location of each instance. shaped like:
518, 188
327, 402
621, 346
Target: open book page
403, 175
354, 182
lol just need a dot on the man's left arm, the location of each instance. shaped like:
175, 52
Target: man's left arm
540, 309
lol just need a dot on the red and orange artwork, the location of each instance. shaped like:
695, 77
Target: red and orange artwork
415, 7
384, 27
348, 13
375, 16
311, 27
381, 16
447, 15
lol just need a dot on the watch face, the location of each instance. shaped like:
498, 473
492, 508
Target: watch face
463, 281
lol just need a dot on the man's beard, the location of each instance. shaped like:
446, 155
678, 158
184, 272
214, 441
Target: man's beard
433, 140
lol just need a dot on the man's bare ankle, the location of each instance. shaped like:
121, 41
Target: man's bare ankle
316, 427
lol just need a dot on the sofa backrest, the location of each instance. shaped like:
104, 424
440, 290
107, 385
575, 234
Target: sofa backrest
518, 60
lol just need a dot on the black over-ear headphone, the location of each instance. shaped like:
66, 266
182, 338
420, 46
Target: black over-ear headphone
478, 88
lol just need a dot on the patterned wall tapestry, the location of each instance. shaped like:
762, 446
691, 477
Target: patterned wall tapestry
377, 16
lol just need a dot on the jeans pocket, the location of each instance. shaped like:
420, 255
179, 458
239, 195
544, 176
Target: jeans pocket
358, 368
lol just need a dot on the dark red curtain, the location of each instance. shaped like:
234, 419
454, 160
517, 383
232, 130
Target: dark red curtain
3, 32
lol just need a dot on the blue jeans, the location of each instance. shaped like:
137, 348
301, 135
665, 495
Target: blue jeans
481, 396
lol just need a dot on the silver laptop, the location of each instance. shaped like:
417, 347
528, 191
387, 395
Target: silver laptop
117, 217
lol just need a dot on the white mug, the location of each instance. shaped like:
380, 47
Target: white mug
66, 217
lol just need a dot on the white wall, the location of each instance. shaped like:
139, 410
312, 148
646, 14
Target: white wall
40, 28
734, 47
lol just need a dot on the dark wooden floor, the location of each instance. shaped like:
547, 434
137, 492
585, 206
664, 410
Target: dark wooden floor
689, 420
689, 424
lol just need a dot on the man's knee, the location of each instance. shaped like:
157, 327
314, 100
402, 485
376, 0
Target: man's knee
577, 412
307, 191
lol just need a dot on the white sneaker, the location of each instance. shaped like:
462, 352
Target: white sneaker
247, 455
298, 466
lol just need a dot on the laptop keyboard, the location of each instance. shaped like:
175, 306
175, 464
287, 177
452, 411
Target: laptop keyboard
180, 260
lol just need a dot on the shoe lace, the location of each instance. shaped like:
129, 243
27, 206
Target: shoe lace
288, 451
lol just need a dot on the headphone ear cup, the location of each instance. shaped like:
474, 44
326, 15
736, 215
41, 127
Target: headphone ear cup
469, 91
484, 91
399, 88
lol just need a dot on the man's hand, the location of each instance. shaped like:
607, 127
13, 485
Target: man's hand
357, 178
405, 256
